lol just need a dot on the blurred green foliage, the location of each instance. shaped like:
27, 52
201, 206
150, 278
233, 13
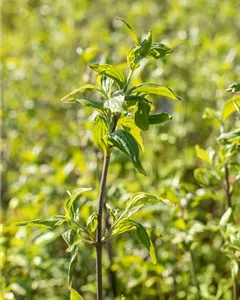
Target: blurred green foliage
47, 149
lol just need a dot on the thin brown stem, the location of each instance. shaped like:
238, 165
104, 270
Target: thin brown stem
235, 287
111, 273
99, 243
227, 189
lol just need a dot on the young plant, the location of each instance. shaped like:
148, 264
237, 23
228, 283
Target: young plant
224, 169
122, 111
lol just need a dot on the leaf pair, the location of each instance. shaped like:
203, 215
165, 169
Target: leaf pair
124, 223
125, 142
144, 49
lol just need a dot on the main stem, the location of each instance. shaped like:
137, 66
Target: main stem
229, 204
99, 243
228, 192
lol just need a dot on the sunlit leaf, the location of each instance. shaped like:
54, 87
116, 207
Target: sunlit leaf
79, 90
129, 125
155, 89
72, 265
124, 225
116, 104
225, 217
99, 132
68, 204
131, 31
98, 105
152, 253
203, 154
230, 107
234, 88
140, 199
112, 72
74, 295
50, 223
136, 54
92, 222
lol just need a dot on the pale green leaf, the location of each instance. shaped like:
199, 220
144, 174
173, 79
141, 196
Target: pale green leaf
152, 253
234, 88
131, 31
203, 154
116, 104
98, 105
225, 217
140, 199
112, 72
155, 89
92, 222
100, 131
230, 107
68, 203
74, 295
72, 265
79, 90
123, 225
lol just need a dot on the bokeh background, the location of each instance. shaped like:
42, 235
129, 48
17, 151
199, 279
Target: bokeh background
47, 146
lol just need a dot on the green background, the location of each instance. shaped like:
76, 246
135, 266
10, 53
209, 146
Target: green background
47, 145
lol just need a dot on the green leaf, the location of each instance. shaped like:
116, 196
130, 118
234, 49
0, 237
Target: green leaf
143, 236
140, 199
225, 217
92, 222
79, 90
152, 253
146, 241
203, 154
234, 88
210, 113
141, 115
50, 223
231, 106
106, 84
113, 212
69, 236
68, 204
112, 72
131, 31
98, 105
232, 137
116, 104
72, 265
136, 54
129, 125
74, 295
125, 142
123, 225
155, 89
159, 118
159, 50
100, 131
